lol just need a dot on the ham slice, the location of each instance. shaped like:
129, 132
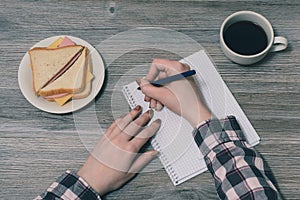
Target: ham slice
55, 96
66, 42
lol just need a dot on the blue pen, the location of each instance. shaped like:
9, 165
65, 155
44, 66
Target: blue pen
169, 79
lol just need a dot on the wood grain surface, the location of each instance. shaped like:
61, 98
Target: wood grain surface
36, 147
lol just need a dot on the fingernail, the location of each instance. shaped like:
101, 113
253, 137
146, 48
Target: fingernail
157, 107
138, 108
157, 121
150, 112
138, 81
155, 153
143, 81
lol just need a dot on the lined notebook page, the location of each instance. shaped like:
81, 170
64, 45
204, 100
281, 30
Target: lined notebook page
179, 153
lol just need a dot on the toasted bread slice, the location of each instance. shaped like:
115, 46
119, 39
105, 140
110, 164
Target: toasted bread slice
71, 81
88, 80
46, 63
84, 93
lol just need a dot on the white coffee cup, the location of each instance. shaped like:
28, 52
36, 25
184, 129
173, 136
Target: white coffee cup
274, 44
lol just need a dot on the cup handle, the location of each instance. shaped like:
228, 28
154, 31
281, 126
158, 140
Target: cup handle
280, 43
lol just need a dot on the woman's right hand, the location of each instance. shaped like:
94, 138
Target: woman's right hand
181, 96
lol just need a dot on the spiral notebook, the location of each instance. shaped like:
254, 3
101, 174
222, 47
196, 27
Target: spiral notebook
179, 154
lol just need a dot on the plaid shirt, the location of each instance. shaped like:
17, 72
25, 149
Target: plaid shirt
238, 170
69, 186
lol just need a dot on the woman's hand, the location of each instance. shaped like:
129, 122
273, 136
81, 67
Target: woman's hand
115, 158
182, 96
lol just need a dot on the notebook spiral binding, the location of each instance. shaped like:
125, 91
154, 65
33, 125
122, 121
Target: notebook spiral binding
129, 97
164, 159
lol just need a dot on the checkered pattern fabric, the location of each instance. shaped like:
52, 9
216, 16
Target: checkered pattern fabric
69, 186
239, 171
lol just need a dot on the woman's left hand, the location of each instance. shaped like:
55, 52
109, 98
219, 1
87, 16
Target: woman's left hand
115, 159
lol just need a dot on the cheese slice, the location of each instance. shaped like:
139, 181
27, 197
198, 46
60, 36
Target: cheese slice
89, 77
62, 100
56, 43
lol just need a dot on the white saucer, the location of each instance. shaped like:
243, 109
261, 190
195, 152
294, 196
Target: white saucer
26, 83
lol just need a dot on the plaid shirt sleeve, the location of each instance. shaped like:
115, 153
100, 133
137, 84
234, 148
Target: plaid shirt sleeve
238, 170
69, 186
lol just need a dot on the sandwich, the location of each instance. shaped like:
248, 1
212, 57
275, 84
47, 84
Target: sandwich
61, 71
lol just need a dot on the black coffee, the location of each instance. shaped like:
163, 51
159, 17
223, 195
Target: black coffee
246, 38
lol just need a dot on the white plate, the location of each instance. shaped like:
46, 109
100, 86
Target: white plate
26, 83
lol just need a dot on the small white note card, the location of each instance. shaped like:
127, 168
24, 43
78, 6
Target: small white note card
179, 153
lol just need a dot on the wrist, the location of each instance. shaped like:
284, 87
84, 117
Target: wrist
89, 173
205, 114
202, 114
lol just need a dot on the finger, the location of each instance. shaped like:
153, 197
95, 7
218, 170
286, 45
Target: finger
140, 139
143, 160
152, 103
169, 67
159, 106
141, 83
159, 66
127, 119
154, 70
157, 93
162, 75
134, 127
110, 129
147, 99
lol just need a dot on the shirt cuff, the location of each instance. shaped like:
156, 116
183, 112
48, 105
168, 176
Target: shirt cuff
71, 186
214, 132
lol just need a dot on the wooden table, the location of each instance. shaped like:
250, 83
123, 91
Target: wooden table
36, 147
